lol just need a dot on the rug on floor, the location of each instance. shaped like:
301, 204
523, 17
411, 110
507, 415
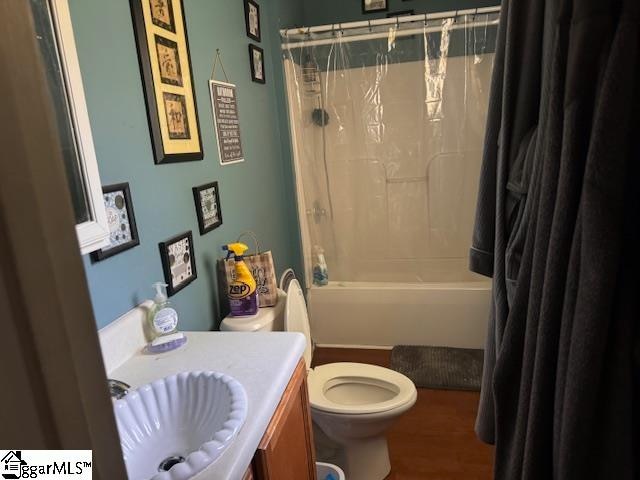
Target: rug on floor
443, 368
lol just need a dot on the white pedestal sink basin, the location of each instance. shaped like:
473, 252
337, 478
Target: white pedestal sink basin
173, 428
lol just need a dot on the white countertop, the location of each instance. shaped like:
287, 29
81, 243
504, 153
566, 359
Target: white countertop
262, 362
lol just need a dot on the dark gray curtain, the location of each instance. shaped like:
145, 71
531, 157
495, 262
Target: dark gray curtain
557, 227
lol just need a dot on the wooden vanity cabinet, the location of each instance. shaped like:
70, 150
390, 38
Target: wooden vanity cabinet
286, 451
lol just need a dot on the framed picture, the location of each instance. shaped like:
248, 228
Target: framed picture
123, 233
402, 13
256, 58
178, 262
165, 65
252, 19
207, 200
372, 6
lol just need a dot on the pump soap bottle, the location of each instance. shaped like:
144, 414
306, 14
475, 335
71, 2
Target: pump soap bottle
163, 323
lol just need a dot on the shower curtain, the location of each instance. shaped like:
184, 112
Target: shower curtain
557, 227
387, 124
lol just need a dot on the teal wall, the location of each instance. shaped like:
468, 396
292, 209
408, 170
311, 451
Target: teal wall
256, 194
340, 11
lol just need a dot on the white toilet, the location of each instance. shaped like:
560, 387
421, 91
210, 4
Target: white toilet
353, 403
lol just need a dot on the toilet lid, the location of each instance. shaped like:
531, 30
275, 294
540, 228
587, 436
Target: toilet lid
296, 318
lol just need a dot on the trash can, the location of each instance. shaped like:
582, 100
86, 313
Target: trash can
325, 469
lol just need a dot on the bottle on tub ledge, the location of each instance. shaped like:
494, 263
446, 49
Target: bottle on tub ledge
242, 291
320, 273
163, 323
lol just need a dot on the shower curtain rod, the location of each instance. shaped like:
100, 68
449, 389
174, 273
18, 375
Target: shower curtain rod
373, 36
380, 22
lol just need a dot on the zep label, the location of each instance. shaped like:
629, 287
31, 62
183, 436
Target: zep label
238, 290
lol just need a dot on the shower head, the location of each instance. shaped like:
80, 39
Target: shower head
320, 117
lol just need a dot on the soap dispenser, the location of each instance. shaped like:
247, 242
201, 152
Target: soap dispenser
163, 323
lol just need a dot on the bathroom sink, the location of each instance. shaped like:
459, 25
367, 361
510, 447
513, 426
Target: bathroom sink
173, 428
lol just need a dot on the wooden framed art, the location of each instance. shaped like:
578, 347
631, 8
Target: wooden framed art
373, 6
165, 65
123, 233
252, 19
178, 262
256, 59
207, 201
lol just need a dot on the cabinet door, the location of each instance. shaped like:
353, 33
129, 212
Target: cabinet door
286, 451
248, 475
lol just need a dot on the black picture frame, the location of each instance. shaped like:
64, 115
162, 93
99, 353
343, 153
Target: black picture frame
366, 9
197, 198
401, 13
150, 85
165, 257
247, 20
104, 253
255, 72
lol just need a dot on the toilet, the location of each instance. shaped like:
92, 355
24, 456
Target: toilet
353, 403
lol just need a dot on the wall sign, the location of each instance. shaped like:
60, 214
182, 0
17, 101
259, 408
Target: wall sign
224, 104
163, 51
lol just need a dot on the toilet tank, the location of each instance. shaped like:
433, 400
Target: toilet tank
268, 319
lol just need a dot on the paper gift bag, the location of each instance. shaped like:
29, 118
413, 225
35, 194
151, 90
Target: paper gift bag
261, 266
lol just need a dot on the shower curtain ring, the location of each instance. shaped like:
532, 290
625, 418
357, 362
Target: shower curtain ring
369, 21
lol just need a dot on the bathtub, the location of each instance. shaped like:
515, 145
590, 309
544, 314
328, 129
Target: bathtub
378, 314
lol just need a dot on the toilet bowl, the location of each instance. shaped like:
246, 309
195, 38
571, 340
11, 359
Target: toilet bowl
353, 403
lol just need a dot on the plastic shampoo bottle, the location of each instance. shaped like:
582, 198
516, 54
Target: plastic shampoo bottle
320, 273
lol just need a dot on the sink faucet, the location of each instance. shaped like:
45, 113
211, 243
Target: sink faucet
117, 388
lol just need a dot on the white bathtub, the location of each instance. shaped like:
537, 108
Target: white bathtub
376, 314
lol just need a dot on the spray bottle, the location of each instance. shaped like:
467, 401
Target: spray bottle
242, 293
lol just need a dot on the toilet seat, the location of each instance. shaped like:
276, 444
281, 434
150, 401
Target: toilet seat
384, 389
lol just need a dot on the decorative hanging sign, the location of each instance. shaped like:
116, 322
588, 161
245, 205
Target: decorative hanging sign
224, 105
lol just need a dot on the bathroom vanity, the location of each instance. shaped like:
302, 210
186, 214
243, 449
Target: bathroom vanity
276, 440
286, 449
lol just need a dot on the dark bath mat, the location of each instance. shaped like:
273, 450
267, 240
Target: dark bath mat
443, 368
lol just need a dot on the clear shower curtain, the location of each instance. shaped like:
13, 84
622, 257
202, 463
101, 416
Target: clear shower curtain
387, 125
